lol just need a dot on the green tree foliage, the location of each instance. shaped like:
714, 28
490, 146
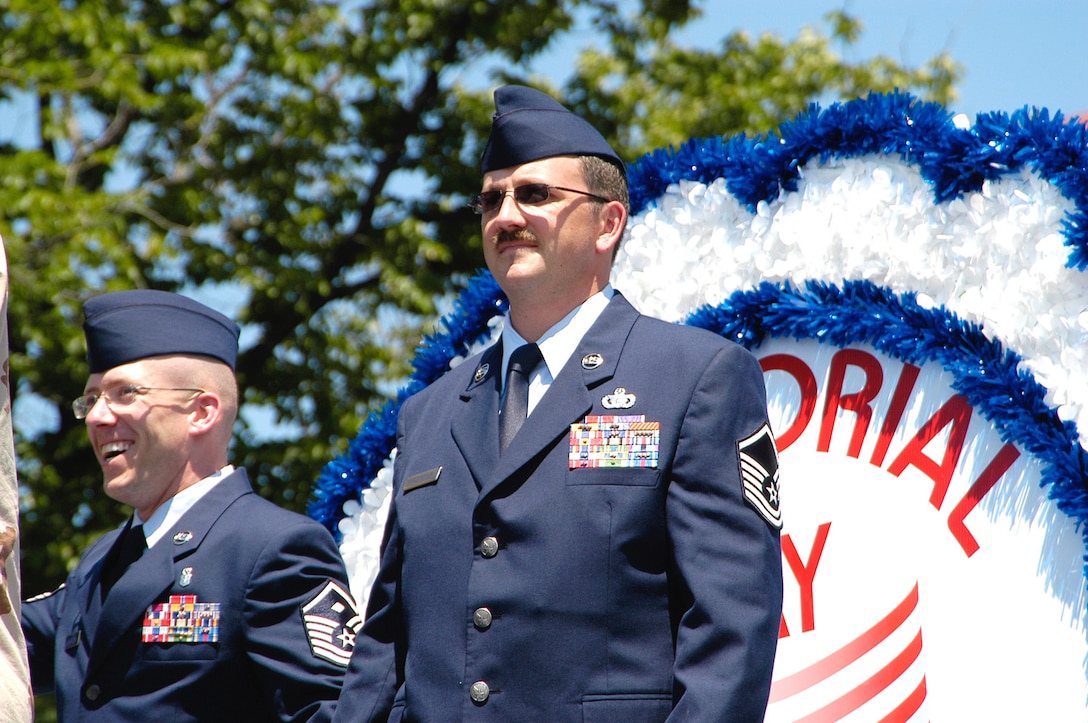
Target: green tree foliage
304, 166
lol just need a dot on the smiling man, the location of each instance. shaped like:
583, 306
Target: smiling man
584, 523
210, 603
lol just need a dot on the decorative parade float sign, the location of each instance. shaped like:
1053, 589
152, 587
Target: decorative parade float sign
915, 288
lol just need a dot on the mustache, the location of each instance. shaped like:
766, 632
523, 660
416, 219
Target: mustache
520, 234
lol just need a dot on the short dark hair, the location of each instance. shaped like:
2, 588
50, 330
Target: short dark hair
605, 178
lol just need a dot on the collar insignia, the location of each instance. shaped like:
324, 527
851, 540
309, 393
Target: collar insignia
592, 361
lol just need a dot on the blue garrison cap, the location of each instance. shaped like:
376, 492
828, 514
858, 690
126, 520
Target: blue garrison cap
125, 326
529, 125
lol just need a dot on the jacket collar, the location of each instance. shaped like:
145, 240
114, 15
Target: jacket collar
568, 400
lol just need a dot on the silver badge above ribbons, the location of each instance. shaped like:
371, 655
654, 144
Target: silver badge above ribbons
619, 399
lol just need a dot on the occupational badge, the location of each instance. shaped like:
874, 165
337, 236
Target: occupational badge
619, 399
758, 457
332, 621
481, 373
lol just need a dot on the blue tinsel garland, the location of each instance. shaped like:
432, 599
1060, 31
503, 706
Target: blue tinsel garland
953, 160
984, 372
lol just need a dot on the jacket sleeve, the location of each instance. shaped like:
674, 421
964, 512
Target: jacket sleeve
40, 616
376, 672
295, 569
727, 588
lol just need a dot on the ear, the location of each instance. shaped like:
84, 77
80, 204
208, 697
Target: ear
207, 411
613, 218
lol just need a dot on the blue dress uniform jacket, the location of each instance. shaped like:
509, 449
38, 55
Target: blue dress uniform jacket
514, 588
259, 562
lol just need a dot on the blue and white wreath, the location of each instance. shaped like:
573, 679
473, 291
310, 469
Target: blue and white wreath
887, 221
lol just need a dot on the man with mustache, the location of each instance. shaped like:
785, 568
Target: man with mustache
585, 523
210, 603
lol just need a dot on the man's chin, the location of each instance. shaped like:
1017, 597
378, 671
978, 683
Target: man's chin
520, 271
115, 487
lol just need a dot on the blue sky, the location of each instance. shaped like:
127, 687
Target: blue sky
1014, 52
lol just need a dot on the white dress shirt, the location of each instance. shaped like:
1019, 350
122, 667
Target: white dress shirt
169, 512
556, 344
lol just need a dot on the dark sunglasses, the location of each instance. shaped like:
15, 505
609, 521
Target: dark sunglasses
529, 194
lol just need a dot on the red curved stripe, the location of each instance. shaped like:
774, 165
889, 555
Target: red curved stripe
908, 707
870, 688
849, 653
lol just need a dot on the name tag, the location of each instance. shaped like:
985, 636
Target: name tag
422, 479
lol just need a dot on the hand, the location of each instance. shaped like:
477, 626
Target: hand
7, 546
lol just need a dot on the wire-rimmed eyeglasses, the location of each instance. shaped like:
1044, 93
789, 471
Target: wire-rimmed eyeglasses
530, 194
120, 396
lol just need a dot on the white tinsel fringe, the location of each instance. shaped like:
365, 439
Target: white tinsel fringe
362, 528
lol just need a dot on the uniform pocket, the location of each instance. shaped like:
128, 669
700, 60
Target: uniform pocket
626, 476
626, 708
178, 652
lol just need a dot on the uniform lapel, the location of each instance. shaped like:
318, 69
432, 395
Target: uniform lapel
88, 590
571, 395
124, 606
475, 426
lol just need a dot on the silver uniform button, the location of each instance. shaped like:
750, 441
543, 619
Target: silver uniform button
479, 692
489, 547
482, 618
92, 692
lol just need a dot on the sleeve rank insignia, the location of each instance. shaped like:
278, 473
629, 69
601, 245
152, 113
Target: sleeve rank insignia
332, 621
758, 457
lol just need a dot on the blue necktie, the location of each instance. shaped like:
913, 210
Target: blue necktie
515, 405
133, 544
